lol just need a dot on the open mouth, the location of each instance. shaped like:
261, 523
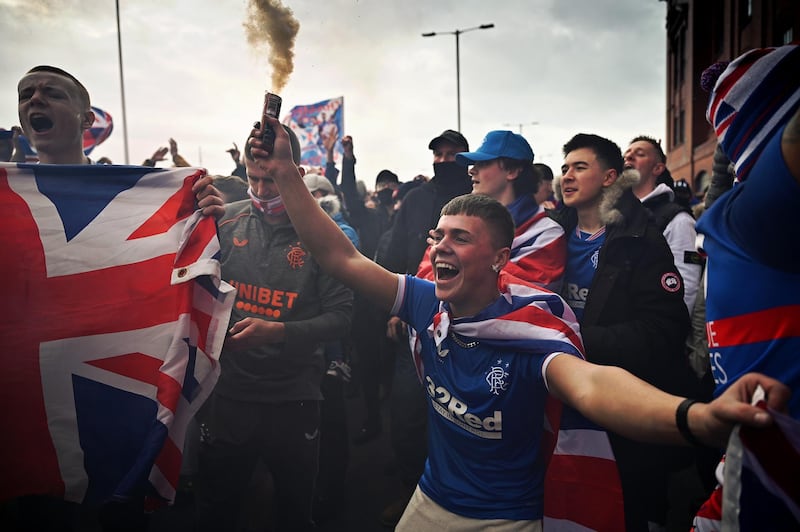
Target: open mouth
445, 272
40, 123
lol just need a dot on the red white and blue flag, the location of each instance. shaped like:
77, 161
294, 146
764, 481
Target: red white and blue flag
312, 123
752, 98
761, 479
111, 328
101, 128
582, 486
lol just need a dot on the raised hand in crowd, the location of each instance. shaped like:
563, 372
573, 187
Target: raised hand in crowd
235, 154
177, 159
159, 155
329, 142
347, 146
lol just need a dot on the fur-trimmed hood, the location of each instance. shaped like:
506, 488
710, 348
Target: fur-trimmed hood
330, 204
609, 214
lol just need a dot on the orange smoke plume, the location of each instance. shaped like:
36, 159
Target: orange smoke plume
272, 24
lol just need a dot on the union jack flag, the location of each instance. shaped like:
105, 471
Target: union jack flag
111, 331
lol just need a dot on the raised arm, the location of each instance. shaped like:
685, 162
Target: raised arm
158, 155
615, 399
323, 238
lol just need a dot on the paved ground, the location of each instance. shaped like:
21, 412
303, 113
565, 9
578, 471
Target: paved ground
368, 489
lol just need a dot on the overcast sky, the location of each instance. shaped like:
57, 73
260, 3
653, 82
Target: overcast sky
570, 65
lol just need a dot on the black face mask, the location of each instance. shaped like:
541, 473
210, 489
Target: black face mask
385, 197
450, 173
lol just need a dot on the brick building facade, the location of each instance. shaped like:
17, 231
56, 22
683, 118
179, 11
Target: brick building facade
699, 33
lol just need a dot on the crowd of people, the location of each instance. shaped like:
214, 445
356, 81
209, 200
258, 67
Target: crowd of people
471, 305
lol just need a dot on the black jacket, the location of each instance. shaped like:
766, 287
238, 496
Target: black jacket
370, 223
635, 317
418, 214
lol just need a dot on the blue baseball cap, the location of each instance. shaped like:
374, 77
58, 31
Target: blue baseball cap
498, 144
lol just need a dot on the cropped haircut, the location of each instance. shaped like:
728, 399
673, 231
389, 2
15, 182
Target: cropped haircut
83, 94
606, 151
527, 182
662, 157
492, 212
544, 171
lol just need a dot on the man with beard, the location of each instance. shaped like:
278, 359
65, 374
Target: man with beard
418, 214
644, 154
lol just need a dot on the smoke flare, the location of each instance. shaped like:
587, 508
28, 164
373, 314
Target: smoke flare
271, 23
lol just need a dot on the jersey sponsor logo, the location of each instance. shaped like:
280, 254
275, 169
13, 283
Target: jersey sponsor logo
576, 296
715, 357
717, 368
759, 326
496, 378
671, 282
261, 300
457, 412
296, 256
770, 325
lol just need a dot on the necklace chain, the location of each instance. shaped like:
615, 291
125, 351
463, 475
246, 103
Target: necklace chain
461, 343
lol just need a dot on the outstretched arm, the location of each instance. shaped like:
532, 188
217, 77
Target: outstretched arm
323, 238
615, 399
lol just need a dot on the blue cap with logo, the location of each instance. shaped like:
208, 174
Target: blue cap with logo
498, 144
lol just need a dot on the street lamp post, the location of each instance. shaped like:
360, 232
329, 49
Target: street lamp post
522, 124
122, 89
458, 60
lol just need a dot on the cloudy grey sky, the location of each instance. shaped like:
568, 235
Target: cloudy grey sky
570, 65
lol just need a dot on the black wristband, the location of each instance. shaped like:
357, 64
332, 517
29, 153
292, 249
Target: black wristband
682, 421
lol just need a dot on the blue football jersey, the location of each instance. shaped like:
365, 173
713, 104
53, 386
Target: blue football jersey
753, 276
